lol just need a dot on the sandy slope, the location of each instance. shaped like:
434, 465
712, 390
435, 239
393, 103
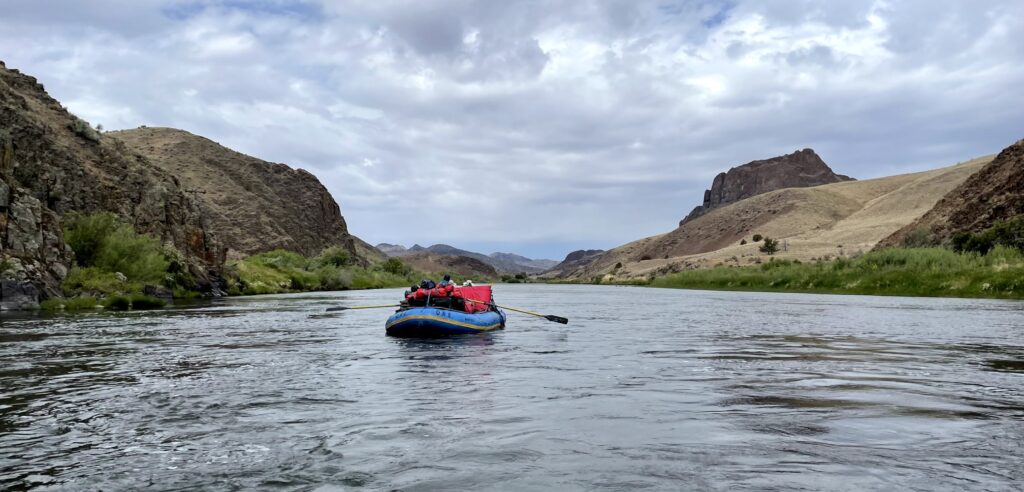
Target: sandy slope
838, 218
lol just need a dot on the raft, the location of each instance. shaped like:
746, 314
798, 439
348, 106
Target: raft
435, 322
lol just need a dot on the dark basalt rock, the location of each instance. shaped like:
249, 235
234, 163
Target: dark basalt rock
18, 294
800, 169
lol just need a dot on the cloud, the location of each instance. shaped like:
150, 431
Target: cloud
538, 127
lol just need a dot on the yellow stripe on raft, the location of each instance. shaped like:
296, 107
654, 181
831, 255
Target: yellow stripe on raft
445, 320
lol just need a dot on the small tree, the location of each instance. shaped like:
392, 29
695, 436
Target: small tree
743, 241
770, 246
395, 266
757, 238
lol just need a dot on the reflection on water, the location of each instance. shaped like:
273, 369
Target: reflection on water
645, 388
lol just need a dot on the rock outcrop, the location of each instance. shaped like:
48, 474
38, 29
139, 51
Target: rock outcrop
993, 194
52, 163
201, 198
251, 205
800, 169
573, 262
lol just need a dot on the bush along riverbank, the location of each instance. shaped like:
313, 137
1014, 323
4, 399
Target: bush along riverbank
932, 272
281, 271
117, 268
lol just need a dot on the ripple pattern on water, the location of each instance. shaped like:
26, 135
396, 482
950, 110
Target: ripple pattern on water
644, 389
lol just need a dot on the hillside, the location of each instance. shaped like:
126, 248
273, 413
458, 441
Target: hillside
465, 266
502, 262
52, 163
820, 221
572, 262
250, 204
993, 194
801, 169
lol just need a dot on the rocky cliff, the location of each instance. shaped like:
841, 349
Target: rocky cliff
52, 163
993, 194
251, 205
203, 199
800, 169
573, 262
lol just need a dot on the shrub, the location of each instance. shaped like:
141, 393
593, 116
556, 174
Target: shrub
918, 238
52, 305
81, 128
94, 280
140, 257
1009, 234
87, 234
118, 303
757, 238
743, 241
102, 241
770, 246
334, 256
139, 301
395, 266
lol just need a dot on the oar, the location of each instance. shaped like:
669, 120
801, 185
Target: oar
343, 308
549, 317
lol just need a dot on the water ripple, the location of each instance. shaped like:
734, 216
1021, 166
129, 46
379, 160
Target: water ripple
645, 389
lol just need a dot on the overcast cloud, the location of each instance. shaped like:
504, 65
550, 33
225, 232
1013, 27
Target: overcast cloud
538, 127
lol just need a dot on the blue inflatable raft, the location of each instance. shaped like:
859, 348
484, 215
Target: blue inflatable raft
434, 322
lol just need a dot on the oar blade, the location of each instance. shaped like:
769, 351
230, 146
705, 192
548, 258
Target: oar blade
336, 308
557, 319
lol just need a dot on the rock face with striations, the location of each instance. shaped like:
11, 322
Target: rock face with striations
797, 170
52, 163
992, 195
250, 204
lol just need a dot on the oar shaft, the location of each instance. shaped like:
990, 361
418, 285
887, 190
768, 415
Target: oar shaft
344, 308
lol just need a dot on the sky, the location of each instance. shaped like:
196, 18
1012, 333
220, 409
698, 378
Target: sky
538, 127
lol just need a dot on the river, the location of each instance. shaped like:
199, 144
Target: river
644, 389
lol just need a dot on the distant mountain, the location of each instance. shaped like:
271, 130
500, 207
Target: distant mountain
465, 266
502, 262
392, 249
514, 262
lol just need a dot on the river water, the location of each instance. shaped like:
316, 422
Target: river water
644, 389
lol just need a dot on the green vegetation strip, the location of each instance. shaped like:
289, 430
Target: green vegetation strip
933, 272
284, 271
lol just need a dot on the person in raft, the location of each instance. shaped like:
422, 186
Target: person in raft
447, 280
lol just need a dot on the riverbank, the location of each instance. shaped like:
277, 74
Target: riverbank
918, 272
120, 269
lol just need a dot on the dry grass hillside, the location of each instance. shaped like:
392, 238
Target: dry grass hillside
827, 220
992, 195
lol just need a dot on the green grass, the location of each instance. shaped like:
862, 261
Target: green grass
281, 271
934, 272
95, 281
